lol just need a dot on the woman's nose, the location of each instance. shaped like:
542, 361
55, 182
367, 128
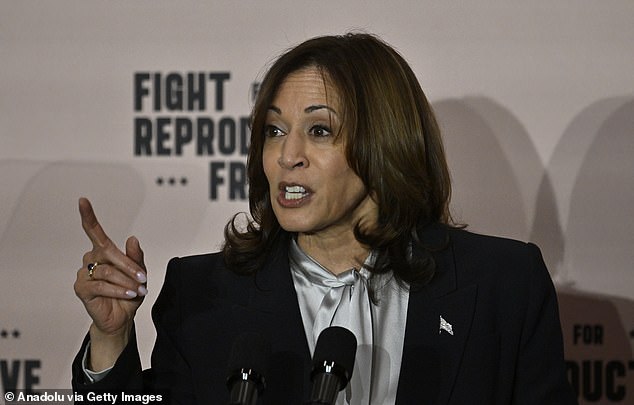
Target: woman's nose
293, 154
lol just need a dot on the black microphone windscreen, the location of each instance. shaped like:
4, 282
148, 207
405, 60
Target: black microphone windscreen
336, 344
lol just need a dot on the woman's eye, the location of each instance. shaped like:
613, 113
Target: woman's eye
271, 131
320, 131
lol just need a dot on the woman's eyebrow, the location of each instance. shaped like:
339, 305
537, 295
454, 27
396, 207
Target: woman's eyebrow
275, 110
307, 110
313, 108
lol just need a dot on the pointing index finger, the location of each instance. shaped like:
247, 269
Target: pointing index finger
109, 252
91, 225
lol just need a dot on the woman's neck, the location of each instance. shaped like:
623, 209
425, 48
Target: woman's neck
337, 253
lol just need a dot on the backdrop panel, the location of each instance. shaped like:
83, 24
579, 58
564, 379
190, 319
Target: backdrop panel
142, 107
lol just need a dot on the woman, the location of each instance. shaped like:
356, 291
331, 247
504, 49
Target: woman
349, 193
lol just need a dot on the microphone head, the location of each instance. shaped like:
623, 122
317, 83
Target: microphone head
338, 346
249, 359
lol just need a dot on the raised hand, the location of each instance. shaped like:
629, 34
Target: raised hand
111, 285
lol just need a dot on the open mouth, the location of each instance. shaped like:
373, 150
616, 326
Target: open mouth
294, 192
293, 195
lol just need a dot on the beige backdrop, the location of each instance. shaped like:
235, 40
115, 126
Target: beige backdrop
536, 100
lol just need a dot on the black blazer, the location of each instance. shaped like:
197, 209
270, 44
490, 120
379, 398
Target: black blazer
506, 346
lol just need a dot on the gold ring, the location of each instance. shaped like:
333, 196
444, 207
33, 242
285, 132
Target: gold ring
91, 268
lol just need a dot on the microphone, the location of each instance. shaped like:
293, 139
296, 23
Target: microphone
333, 363
247, 364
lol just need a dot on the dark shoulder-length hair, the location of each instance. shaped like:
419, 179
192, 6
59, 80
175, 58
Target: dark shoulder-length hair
392, 142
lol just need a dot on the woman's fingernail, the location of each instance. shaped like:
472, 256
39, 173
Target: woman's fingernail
142, 291
141, 277
130, 294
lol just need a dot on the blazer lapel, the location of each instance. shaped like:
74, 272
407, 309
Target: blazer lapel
276, 311
438, 324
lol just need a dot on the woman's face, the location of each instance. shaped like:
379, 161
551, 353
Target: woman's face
313, 190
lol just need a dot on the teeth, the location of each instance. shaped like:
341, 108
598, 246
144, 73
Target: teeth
294, 192
295, 189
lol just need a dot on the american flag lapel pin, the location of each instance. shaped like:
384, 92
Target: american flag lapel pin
446, 326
